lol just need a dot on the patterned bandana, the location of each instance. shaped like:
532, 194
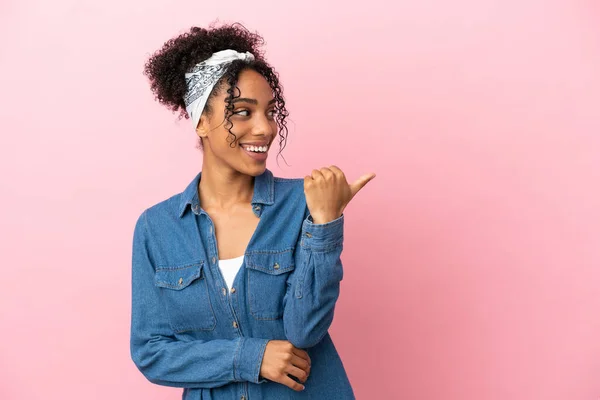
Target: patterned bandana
203, 78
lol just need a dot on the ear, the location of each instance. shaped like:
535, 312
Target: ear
202, 128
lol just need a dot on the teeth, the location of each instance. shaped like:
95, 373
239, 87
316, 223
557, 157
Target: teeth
257, 149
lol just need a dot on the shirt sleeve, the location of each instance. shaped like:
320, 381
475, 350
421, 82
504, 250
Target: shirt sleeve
315, 284
165, 360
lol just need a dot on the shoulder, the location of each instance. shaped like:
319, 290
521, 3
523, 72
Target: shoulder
161, 213
295, 182
289, 195
286, 187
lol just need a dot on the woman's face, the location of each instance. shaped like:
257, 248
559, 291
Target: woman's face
254, 126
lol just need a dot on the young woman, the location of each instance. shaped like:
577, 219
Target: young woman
235, 279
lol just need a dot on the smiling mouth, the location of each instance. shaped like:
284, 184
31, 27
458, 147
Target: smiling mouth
255, 149
256, 153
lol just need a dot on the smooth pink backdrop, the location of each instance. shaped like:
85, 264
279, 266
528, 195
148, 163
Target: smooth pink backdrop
472, 261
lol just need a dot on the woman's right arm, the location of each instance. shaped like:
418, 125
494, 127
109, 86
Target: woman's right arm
162, 358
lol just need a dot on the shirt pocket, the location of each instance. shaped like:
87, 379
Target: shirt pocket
267, 274
185, 293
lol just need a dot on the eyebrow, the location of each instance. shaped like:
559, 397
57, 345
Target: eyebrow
251, 101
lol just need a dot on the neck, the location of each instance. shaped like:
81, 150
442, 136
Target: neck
223, 188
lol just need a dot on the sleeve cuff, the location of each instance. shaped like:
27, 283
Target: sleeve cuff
248, 359
322, 236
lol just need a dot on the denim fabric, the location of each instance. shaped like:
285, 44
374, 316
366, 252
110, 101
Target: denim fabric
189, 331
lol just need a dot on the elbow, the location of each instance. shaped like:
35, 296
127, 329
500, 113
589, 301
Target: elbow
306, 337
147, 367
305, 332
146, 364
306, 341
143, 365
301, 342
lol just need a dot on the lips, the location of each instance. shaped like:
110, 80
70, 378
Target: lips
255, 148
256, 156
255, 144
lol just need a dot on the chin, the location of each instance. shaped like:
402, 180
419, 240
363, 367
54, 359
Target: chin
254, 170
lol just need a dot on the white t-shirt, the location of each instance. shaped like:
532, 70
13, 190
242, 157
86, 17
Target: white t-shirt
229, 269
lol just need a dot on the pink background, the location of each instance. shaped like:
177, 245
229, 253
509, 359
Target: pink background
472, 262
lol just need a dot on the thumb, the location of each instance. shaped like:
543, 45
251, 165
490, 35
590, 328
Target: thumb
360, 183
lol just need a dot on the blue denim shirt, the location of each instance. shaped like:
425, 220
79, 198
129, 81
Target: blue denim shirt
189, 331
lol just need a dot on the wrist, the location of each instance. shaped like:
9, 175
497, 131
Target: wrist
324, 219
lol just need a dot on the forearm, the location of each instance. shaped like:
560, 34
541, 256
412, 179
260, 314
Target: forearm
199, 364
315, 283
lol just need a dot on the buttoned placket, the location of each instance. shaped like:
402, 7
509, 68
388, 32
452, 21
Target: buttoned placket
212, 252
225, 296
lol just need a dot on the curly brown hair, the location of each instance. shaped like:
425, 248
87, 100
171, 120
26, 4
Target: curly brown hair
166, 70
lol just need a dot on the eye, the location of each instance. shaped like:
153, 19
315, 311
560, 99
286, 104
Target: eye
272, 113
241, 112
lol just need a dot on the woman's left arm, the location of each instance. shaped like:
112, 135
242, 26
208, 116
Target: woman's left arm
315, 284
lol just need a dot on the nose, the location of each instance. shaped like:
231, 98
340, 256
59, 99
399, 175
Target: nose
263, 126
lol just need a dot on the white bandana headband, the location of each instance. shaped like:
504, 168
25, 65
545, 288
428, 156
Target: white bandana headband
203, 78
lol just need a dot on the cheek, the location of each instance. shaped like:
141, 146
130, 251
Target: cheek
221, 143
225, 137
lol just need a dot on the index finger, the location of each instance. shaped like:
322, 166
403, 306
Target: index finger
337, 170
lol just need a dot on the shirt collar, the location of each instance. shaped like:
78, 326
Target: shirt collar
263, 192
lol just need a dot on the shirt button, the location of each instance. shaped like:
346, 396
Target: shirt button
308, 235
257, 208
214, 260
180, 281
243, 398
224, 292
235, 324
232, 290
276, 266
